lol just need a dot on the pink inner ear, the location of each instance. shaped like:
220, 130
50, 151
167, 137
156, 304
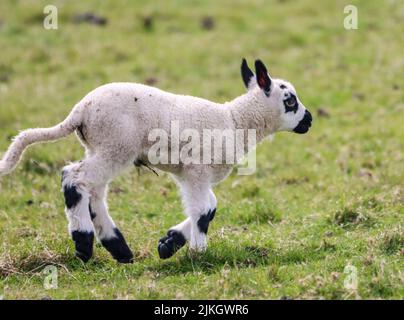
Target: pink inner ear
261, 82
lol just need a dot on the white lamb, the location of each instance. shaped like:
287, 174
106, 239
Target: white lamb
114, 122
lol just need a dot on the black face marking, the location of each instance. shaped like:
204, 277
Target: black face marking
72, 197
246, 73
170, 244
92, 213
118, 248
83, 241
290, 103
282, 86
203, 222
304, 124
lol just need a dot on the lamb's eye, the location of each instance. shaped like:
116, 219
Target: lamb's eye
290, 102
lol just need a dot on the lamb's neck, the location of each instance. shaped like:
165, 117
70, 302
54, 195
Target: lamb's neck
248, 113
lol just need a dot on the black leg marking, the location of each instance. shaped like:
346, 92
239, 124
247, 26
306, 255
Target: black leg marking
170, 244
92, 213
118, 248
83, 241
211, 214
72, 197
203, 222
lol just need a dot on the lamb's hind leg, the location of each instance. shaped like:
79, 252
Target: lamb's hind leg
106, 231
178, 235
77, 211
80, 182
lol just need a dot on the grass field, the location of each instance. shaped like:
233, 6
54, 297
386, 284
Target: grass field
318, 204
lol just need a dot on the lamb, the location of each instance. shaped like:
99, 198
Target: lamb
114, 123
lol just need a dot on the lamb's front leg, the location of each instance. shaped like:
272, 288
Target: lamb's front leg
200, 216
178, 235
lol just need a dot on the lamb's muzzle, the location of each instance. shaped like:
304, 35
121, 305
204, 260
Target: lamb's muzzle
304, 124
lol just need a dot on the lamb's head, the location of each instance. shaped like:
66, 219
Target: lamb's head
277, 96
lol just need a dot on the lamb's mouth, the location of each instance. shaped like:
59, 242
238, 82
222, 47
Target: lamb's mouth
304, 124
301, 128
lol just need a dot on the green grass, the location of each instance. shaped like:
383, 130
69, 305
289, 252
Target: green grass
317, 203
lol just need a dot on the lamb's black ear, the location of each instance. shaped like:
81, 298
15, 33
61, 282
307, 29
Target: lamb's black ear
263, 79
247, 74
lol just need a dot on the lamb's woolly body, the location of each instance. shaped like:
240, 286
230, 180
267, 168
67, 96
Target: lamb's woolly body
113, 122
117, 119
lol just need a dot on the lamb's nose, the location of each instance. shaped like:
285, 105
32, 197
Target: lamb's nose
307, 116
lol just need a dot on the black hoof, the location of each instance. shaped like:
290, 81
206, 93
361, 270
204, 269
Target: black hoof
125, 260
118, 248
83, 241
170, 244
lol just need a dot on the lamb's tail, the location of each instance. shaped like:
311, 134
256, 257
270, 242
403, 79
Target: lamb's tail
30, 136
